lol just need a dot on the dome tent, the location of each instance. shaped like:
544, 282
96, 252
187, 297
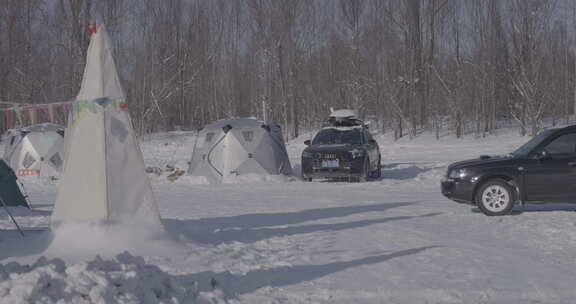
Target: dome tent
239, 146
35, 150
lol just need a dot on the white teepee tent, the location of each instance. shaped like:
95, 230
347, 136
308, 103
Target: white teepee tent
104, 176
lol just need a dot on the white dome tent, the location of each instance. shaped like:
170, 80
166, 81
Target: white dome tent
35, 150
239, 146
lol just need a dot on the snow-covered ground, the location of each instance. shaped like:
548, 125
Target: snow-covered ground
275, 240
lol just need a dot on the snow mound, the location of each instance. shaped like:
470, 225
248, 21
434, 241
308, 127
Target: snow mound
108, 240
256, 178
251, 178
123, 279
193, 180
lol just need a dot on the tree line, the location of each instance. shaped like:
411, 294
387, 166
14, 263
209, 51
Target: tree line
450, 66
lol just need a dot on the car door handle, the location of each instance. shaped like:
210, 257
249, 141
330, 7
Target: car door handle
572, 164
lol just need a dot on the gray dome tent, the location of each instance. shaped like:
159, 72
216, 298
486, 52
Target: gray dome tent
239, 146
34, 149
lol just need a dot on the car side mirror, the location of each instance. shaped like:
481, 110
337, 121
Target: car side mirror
307, 142
540, 155
372, 141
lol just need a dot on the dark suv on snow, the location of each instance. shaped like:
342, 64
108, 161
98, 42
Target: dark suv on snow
541, 170
348, 153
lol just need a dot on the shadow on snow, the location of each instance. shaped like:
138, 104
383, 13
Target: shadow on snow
13, 245
541, 207
252, 227
237, 284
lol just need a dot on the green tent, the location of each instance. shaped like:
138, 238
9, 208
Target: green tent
9, 191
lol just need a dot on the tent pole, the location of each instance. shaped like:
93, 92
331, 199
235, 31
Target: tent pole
10, 215
25, 195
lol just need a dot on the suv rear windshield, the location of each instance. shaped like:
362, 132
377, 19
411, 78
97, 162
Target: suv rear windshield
338, 137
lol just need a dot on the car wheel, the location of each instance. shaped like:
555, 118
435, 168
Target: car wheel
365, 174
495, 197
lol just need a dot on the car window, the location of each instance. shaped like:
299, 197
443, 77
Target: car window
338, 137
534, 142
564, 144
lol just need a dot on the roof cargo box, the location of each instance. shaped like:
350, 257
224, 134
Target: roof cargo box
344, 118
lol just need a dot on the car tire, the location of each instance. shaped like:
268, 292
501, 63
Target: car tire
365, 174
495, 197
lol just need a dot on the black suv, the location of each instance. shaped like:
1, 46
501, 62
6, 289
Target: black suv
541, 170
348, 153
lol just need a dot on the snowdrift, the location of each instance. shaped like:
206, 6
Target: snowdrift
123, 279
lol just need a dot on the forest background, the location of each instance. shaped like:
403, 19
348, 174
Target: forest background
448, 66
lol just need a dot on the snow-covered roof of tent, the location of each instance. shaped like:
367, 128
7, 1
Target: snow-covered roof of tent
43, 127
39, 128
235, 123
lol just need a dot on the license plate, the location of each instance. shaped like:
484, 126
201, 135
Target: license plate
334, 163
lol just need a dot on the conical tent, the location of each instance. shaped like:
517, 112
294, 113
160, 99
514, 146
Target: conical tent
104, 175
239, 146
35, 150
